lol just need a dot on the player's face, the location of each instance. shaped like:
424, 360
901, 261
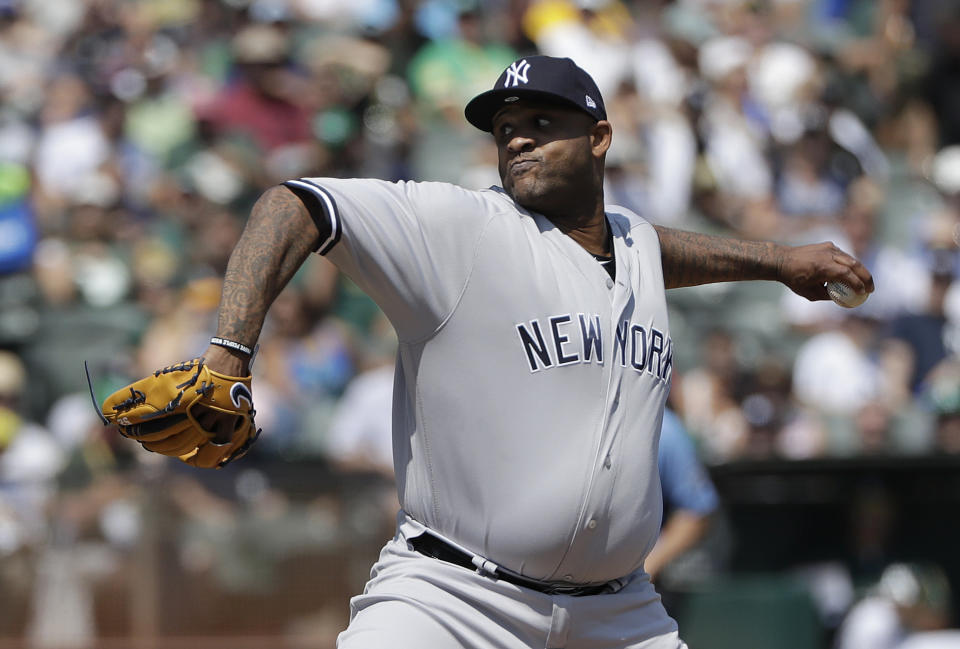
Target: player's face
549, 159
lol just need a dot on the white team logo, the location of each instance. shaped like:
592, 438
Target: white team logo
516, 73
590, 102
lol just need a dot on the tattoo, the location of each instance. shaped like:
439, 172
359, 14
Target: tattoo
690, 258
276, 241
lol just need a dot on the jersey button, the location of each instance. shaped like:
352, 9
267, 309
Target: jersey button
592, 525
609, 283
607, 462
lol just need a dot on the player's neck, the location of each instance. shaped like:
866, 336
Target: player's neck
577, 213
590, 233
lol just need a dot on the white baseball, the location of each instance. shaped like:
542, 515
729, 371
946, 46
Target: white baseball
845, 296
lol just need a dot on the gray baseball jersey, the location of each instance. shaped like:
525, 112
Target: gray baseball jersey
530, 385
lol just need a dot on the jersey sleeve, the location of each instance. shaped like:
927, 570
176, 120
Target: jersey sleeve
410, 246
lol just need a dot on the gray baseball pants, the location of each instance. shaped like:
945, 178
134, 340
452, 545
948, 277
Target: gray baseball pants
415, 602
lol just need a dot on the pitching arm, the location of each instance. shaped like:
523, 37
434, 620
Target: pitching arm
691, 258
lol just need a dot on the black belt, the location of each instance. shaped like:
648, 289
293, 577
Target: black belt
431, 546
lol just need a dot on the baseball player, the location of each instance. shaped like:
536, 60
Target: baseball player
534, 361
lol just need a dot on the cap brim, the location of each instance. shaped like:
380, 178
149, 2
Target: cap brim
480, 110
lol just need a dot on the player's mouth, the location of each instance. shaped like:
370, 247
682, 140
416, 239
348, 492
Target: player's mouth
522, 166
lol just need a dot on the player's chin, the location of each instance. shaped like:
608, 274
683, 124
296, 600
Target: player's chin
527, 194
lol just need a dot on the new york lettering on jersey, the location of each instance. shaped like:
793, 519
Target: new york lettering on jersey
578, 338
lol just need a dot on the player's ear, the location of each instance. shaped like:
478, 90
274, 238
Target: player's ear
601, 135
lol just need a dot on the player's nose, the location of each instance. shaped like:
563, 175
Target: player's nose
520, 142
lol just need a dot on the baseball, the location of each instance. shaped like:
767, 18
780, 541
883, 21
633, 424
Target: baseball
844, 295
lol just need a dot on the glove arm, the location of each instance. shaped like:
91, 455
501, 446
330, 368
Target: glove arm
278, 238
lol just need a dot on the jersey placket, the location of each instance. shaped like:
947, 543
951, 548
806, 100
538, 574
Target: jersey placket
620, 298
588, 518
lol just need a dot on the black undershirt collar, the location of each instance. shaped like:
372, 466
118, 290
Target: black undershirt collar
608, 261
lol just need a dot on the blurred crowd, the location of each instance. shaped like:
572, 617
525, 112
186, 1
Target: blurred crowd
136, 134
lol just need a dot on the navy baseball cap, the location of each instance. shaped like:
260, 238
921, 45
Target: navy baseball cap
545, 78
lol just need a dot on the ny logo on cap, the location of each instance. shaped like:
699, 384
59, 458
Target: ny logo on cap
516, 73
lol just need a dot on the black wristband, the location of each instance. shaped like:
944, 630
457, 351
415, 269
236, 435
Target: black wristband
231, 344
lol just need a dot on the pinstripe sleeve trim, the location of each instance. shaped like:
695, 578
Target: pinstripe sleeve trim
323, 210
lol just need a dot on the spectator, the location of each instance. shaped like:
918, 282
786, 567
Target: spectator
909, 599
835, 371
942, 78
709, 398
595, 33
942, 393
72, 147
307, 358
260, 103
920, 341
30, 460
359, 438
448, 72
689, 497
733, 130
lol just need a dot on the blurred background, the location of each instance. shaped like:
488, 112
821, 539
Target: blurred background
136, 134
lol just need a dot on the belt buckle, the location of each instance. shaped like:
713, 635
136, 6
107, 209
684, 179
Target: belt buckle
564, 590
576, 591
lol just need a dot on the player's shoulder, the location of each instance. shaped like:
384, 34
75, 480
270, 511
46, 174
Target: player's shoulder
436, 192
627, 219
628, 224
410, 187
424, 198
439, 189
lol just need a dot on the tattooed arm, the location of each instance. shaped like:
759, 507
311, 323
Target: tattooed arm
277, 239
690, 258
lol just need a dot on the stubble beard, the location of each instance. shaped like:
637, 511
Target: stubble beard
529, 194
